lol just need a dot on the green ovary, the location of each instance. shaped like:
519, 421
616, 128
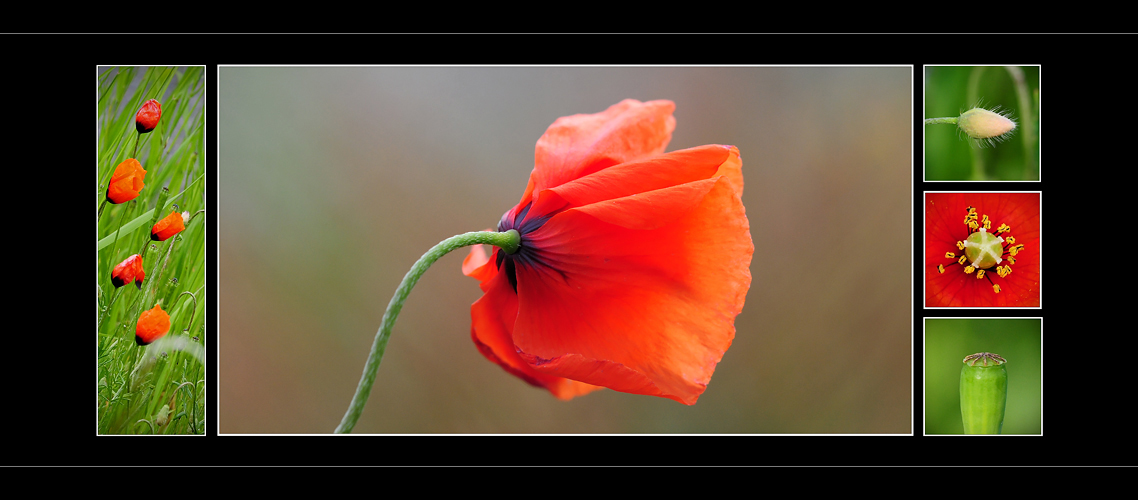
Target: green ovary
983, 397
984, 249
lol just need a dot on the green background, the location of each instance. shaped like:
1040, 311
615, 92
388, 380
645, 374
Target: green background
948, 153
948, 341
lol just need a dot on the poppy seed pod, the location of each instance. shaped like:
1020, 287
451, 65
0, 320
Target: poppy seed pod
614, 283
126, 182
152, 325
129, 270
169, 226
147, 117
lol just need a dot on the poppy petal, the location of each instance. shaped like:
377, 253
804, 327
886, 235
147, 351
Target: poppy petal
492, 328
640, 293
642, 176
578, 145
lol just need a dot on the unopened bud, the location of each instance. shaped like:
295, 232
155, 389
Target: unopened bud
147, 117
980, 123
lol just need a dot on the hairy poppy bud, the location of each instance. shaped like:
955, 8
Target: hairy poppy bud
127, 271
152, 325
169, 226
126, 182
147, 117
980, 123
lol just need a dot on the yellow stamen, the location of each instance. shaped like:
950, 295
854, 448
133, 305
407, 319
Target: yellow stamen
949, 255
996, 288
940, 268
960, 245
987, 222
1014, 250
1011, 260
969, 269
1011, 240
980, 274
962, 260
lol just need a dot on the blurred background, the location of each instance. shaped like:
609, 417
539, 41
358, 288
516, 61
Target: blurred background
948, 341
951, 90
334, 180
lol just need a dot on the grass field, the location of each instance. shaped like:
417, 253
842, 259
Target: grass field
156, 388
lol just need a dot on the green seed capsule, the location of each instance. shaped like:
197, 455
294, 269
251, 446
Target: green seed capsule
983, 393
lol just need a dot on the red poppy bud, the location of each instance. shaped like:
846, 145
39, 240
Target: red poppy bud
127, 271
147, 117
167, 227
126, 181
152, 325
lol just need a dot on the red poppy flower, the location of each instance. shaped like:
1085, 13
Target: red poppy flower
152, 325
127, 271
633, 264
126, 182
982, 250
169, 226
147, 117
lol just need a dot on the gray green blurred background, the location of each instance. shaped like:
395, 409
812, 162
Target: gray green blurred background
951, 90
333, 181
948, 341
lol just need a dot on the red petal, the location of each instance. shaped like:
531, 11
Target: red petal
492, 331
578, 145
639, 293
642, 176
944, 216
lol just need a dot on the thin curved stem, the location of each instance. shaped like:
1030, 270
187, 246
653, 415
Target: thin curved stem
508, 241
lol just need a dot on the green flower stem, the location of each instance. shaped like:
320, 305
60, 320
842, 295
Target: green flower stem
983, 393
951, 120
1027, 124
507, 241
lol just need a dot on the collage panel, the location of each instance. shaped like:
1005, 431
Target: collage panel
151, 276
334, 180
983, 376
982, 250
981, 123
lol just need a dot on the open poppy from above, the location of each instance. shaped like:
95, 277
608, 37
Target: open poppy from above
982, 250
633, 262
127, 271
126, 182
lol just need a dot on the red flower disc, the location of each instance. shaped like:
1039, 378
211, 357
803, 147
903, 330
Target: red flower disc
955, 281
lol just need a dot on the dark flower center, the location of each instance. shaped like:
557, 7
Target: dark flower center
527, 255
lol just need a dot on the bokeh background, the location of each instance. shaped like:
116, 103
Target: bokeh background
951, 90
334, 180
948, 341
